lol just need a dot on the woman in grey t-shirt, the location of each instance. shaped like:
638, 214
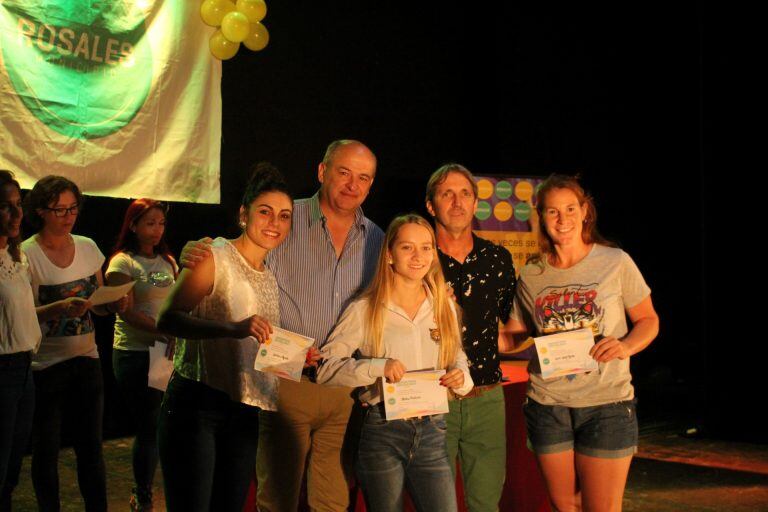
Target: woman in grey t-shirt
582, 427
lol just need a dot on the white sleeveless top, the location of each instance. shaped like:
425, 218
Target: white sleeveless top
226, 364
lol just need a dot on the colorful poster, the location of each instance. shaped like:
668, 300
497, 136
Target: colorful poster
123, 97
506, 214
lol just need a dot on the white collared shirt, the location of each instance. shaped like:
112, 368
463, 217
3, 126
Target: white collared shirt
409, 341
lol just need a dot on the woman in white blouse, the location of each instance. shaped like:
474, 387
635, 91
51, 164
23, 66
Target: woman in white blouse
19, 338
404, 321
209, 419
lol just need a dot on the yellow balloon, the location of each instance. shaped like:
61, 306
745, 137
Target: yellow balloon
257, 38
235, 26
221, 47
254, 9
213, 11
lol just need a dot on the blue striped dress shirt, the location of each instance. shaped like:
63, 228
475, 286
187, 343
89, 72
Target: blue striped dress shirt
315, 286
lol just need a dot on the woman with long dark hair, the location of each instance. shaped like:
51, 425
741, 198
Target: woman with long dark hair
209, 420
582, 427
19, 338
141, 254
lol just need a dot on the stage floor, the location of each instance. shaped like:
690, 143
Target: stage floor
670, 473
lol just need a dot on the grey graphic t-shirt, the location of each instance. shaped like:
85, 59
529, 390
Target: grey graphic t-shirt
594, 293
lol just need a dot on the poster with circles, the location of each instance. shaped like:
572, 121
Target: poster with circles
506, 214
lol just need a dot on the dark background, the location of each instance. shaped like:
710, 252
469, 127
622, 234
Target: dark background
630, 97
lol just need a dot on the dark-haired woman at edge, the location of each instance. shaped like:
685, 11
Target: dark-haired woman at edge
19, 338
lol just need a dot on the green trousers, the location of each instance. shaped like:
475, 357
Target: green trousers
477, 436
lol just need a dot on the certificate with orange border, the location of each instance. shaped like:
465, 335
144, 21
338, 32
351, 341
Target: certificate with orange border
418, 393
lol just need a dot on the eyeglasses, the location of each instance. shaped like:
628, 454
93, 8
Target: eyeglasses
61, 212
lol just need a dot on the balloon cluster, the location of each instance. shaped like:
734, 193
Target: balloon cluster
239, 22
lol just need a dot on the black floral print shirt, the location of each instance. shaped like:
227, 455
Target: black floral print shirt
484, 286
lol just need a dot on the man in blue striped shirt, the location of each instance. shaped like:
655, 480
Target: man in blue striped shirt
328, 258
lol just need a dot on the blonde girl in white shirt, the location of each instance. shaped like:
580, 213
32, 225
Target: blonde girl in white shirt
404, 321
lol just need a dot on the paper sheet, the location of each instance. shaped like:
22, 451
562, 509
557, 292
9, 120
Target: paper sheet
160, 367
107, 294
418, 393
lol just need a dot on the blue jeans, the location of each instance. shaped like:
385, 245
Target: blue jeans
399, 454
131, 368
207, 448
17, 403
70, 392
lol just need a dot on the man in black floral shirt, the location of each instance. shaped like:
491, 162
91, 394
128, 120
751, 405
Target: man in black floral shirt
483, 279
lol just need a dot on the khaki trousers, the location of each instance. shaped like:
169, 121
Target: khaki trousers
308, 428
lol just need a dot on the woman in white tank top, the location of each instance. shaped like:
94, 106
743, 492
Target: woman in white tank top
208, 427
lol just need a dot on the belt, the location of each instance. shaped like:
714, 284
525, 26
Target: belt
310, 372
477, 391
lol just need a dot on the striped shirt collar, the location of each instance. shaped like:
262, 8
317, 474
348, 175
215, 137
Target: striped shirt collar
315, 213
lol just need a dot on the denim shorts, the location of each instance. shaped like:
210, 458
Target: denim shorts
606, 431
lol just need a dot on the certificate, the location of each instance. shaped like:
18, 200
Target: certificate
418, 393
160, 367
283, 354
565, 353
107, 294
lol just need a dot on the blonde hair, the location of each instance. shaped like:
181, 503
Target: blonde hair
378, 293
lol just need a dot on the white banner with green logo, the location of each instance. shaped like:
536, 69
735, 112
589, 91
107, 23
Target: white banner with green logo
123, 97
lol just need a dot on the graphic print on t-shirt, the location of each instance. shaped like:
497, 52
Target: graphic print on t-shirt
159, 278
565, 308
64, 326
